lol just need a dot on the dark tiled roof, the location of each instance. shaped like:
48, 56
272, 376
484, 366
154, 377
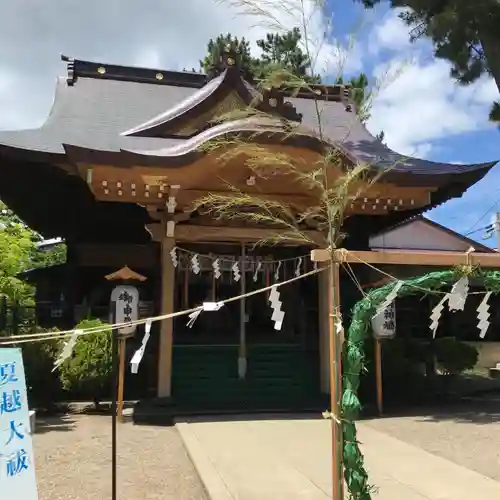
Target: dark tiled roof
93, 114
95, 110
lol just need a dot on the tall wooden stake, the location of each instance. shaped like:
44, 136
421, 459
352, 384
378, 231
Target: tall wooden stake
335, 349
121, 377
378, 376
114, 363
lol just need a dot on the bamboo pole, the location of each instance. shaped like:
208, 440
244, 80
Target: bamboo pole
378, 376
121, 377
335, 382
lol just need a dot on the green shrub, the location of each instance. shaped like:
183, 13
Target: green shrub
88, 372
454, 356
43, 384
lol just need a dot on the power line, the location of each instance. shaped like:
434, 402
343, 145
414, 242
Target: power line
483, 216
487, 228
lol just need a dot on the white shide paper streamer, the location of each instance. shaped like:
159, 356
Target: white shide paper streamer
391, 296
137, 357
458, 294
483, 315
236, 272
297, 269
256, 272
278, 314
67, 350
173, 255
195, 264
216, 268
207, 306
277, 272
436, 315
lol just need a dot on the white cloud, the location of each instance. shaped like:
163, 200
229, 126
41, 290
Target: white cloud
422, 104
389, 34
158, 33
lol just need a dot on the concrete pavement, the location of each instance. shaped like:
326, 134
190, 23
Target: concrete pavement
278, 459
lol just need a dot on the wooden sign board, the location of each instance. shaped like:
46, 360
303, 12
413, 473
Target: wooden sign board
17, 460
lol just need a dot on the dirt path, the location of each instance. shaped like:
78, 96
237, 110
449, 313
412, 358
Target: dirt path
468, 435
73, 461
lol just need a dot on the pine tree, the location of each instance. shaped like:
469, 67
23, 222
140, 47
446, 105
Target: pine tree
464, 32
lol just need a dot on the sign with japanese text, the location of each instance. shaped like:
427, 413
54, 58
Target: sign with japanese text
384, 323
126, 301
17, 460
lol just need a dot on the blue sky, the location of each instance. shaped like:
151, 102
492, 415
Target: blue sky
422, 112
469, 138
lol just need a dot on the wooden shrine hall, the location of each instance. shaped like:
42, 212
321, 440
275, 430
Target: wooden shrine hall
115, 169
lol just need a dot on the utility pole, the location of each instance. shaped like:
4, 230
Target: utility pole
493, 228
497, 229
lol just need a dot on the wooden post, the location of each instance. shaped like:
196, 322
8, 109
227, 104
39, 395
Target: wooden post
378, 376
122, 343
166, 328
126, 276
242, 350
335, 349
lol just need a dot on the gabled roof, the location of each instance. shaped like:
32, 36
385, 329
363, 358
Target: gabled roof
420, 218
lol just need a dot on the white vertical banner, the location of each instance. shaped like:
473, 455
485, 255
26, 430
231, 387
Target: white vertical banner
384, 323
126, 300
17, 460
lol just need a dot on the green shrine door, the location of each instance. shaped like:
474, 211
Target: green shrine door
282, 366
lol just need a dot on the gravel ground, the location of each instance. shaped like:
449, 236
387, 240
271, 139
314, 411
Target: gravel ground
73, 461
468, 435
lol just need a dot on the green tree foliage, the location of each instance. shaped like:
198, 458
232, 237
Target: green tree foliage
466, 33
44, 384
283, 51
278, 51
362, 96
19, 252
239, 47
88, 373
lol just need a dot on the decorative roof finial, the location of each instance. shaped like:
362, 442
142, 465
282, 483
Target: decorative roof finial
225, 58
70, 67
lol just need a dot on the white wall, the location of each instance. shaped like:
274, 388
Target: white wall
419, 235
489, 353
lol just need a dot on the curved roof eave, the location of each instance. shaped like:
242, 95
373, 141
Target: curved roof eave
178, 152
188, 105
20, 152
198, 102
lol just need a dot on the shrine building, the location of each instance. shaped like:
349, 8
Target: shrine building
114, 171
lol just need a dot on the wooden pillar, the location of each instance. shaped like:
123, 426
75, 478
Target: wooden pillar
324, 340
335, 349
70, 284
166, 325
242, 349
378, 376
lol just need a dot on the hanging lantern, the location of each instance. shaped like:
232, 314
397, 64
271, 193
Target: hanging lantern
125, 299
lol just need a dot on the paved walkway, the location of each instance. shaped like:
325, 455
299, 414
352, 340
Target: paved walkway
290, 459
